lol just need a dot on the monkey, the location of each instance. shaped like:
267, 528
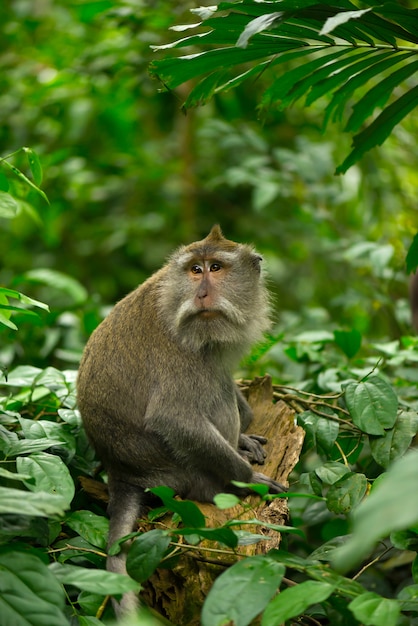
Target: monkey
155, 386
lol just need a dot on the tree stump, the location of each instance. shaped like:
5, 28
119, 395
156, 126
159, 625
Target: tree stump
178, 594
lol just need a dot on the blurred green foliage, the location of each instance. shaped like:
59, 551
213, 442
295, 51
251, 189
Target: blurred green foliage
129, 177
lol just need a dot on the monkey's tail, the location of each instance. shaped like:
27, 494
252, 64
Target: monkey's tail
126, 505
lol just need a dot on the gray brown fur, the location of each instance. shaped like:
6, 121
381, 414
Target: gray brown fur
155, 386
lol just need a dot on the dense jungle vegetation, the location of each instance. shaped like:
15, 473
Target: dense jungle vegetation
129, 127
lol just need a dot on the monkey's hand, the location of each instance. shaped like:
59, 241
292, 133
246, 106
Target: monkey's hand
273, 486
250, 447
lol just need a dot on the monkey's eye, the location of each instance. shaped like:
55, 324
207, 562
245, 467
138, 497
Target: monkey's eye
196, 269
215, 267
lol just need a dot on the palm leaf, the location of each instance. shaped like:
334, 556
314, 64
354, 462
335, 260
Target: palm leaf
329, 49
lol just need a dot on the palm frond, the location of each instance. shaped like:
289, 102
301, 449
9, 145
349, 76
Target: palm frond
366, 58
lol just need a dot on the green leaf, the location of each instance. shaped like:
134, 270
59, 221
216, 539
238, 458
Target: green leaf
341, 18
320, 431
8, 205
340, 97
25, 179
331, 471
379, 94
373, 610
146, 553
412, 256
349, 341
57, 280
294, 601
392, 505
380, 129
373, 405
222, 535
30, 594
4, 182
242, 591
49, 474
408, 597
346, 493
96, 581
35, 165
396, 441
226, 500
257, 25
11, 293
328, 84
93, 528
188, 511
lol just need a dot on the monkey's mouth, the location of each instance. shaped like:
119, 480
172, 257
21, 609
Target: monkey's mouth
209, 314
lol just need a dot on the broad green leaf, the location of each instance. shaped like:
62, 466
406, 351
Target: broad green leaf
321, 431
373, 610
242, 591
188, 511
412, 255
341, 18
35, 165
327, 550
372, 404
346, 493
12, 448
349, 341
96, 581
226, 500
331, 471
324, 573
146, 553
49, 474
8, 205
30, 594
408, 597
39, 504
93, 528
396, 441
21, 376
294, 601
383, 511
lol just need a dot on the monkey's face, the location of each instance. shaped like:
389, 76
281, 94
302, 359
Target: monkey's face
213, 294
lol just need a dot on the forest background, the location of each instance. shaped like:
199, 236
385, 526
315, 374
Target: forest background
129, 176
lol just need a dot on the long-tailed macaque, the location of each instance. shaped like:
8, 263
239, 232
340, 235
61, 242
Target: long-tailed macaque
155, 386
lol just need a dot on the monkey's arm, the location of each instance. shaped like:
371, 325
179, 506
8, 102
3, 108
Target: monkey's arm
250, 447
197, 443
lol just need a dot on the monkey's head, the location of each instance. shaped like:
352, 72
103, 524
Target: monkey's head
212, 293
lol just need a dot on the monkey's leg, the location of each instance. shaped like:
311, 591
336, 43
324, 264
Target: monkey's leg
125, 506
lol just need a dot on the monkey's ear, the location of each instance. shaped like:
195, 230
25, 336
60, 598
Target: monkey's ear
215, 233
256, 260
